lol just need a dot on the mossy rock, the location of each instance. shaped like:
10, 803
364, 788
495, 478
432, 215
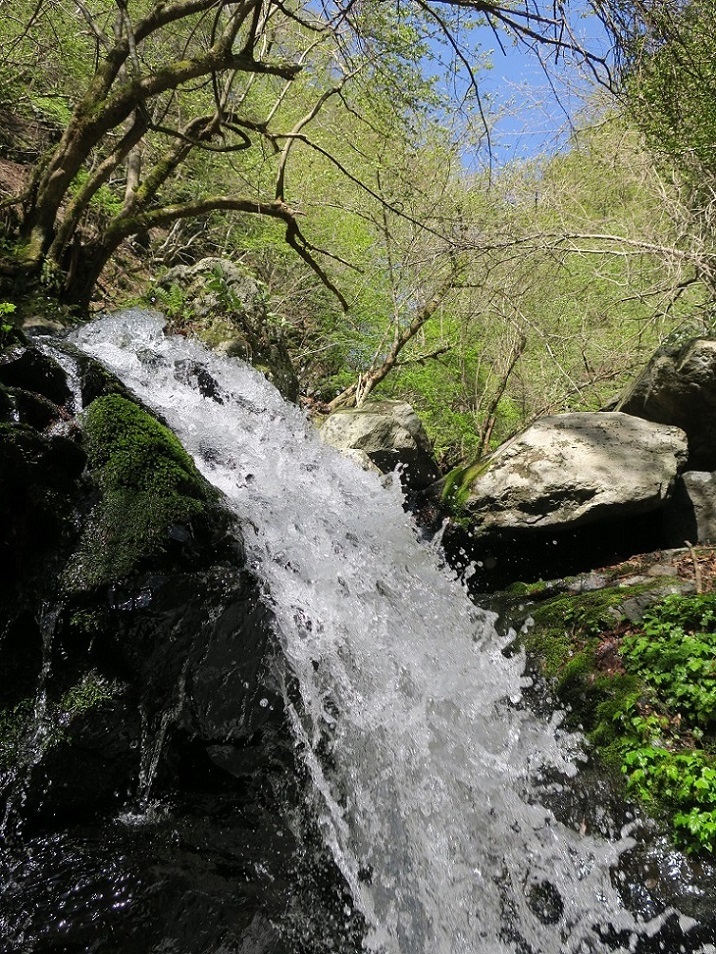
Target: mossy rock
567, 643
150, 493
222, 304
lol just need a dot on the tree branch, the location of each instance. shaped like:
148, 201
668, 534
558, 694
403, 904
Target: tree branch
356, 393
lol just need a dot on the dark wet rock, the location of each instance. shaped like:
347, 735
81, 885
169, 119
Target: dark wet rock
38, 483
493, 561
32, 370
32, 408
21, 655
7, 405
90, 767
151, 793
93, 378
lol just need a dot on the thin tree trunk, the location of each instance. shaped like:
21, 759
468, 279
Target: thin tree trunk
357, 392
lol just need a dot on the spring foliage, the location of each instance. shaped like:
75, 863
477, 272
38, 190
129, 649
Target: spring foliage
645, 695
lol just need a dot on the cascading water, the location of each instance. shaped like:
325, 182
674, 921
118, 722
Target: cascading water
426, 770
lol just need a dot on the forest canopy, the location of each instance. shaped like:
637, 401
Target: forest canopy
147, 90
323, 145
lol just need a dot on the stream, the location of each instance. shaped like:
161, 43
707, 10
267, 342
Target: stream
430, 779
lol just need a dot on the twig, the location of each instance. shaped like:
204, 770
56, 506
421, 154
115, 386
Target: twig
697, 569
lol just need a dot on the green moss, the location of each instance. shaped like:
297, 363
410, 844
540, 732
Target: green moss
148, 483
550, 649
127, 447
645, 695
86, 621
92, 690
12, 729
575, 679
528, 589
219, 329
562, 639
18, 724
586, 614
458, 484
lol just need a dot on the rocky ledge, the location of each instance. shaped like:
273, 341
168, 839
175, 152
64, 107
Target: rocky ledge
150, 792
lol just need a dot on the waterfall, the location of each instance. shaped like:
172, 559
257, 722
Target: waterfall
428, 771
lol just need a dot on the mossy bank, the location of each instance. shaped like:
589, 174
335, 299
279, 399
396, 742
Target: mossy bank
633, 661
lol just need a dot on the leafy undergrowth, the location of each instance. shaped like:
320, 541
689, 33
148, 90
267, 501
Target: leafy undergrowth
668, 749
644, 694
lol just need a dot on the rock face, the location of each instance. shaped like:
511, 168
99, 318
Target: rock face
679, 388
570, 470
229, 312
389, 433
147, 770
691, 513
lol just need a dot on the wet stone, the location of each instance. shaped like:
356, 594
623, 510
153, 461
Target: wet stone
31, 370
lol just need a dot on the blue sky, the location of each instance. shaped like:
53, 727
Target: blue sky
535, 111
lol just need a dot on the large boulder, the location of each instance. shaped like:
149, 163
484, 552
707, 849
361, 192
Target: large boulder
227, 309
691, 513
679, 388
389, 433
570, 470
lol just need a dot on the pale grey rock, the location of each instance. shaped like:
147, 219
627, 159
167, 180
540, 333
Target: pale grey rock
587, 583
679, 388
230, 314
36, 325
360, 458
215, 284
660, 569
691, 513
389, 433
575, 469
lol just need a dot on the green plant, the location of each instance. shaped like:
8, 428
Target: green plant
645, 696
683, 783
56, 108
227, 297
674, 656
172, 301
105, 201
675, 653
6, 308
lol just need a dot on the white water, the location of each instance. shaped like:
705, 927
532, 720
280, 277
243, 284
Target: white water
426, 772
